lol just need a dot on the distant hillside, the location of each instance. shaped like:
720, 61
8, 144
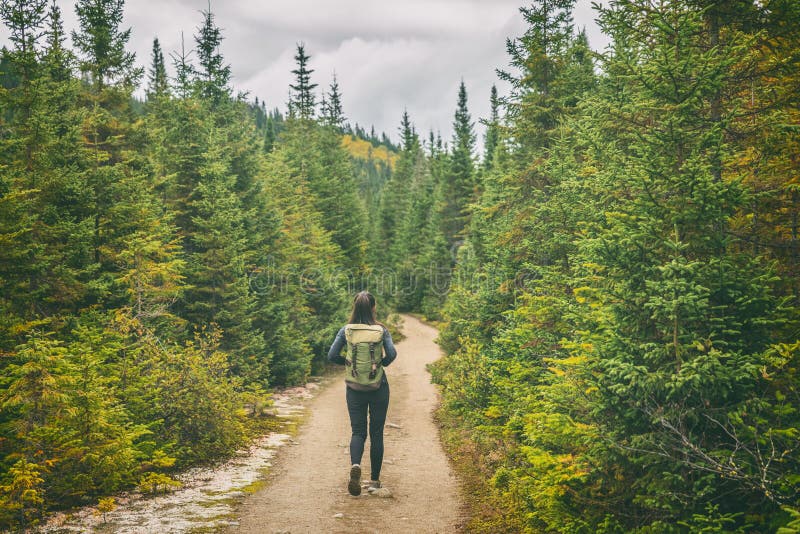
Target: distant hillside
364, 150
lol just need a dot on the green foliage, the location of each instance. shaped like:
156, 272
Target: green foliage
793, 525
332, 114
102, 43
106, 505
617, 279
22, 496
161, 266
316, 156
458, 181
213, 76
610, 332
302, 104
155, 483
492, 136
157, 81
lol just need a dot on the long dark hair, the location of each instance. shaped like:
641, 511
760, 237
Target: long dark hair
363, 309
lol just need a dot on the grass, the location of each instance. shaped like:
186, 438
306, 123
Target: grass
484, 511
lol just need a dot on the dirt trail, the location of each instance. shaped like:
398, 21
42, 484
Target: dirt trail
307, 490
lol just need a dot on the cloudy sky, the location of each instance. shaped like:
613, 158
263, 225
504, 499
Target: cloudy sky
387, 54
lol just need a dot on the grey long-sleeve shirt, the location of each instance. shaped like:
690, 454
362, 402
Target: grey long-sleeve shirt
334, 354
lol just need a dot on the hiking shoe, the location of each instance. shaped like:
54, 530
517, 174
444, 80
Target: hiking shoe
354, 486
374, 485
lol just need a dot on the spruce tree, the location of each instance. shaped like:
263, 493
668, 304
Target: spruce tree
538, 55
296, 334
24, 20
57, 59
408, 136
184, 71
460, 179
214, 223
158, 84
102, 43
44, 216
213, 75
688, 313
332, 114
395, 198
302, 102
491, 138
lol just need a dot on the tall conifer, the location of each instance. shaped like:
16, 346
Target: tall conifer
158, 84
302, 103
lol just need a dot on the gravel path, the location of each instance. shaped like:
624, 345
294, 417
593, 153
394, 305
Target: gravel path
307, 489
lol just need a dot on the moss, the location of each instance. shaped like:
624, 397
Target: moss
256, 485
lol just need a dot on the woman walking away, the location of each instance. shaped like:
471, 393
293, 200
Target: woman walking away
367, 388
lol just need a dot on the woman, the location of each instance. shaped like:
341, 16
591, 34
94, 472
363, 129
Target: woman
375, 402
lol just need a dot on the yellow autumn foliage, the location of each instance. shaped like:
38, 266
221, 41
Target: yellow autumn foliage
361, 149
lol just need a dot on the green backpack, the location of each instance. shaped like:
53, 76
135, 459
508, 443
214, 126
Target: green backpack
364, 355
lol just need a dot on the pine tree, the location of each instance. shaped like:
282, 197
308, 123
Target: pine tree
317, 155
538, 55
302, 102
408, 136
491, 138
25, 20
332, 114
43, 217
102, 43
214, 75
673, 308
22, 497
102, 456
270, 134
295, 335
460, 180
395, 199
20, 150
158, 84
219, 291
184, 71
57, 58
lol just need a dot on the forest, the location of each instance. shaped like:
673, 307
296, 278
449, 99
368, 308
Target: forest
614, 275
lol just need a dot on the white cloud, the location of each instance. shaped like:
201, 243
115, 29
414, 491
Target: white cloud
388, 54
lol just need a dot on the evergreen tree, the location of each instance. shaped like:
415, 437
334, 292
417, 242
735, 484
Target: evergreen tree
686, 282
408, 136
213, 76
616, 198
299, 333
184, 71
128, 235
302, 102
57, 58
44, 213
491, 138
460, 183
539, 56
102, 43
332, 113
395, 199
24, 20
158, 84
316, 153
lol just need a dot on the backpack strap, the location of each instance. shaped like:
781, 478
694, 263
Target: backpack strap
353, 370
374, 370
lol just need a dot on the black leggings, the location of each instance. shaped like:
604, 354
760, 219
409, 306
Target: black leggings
357, 404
